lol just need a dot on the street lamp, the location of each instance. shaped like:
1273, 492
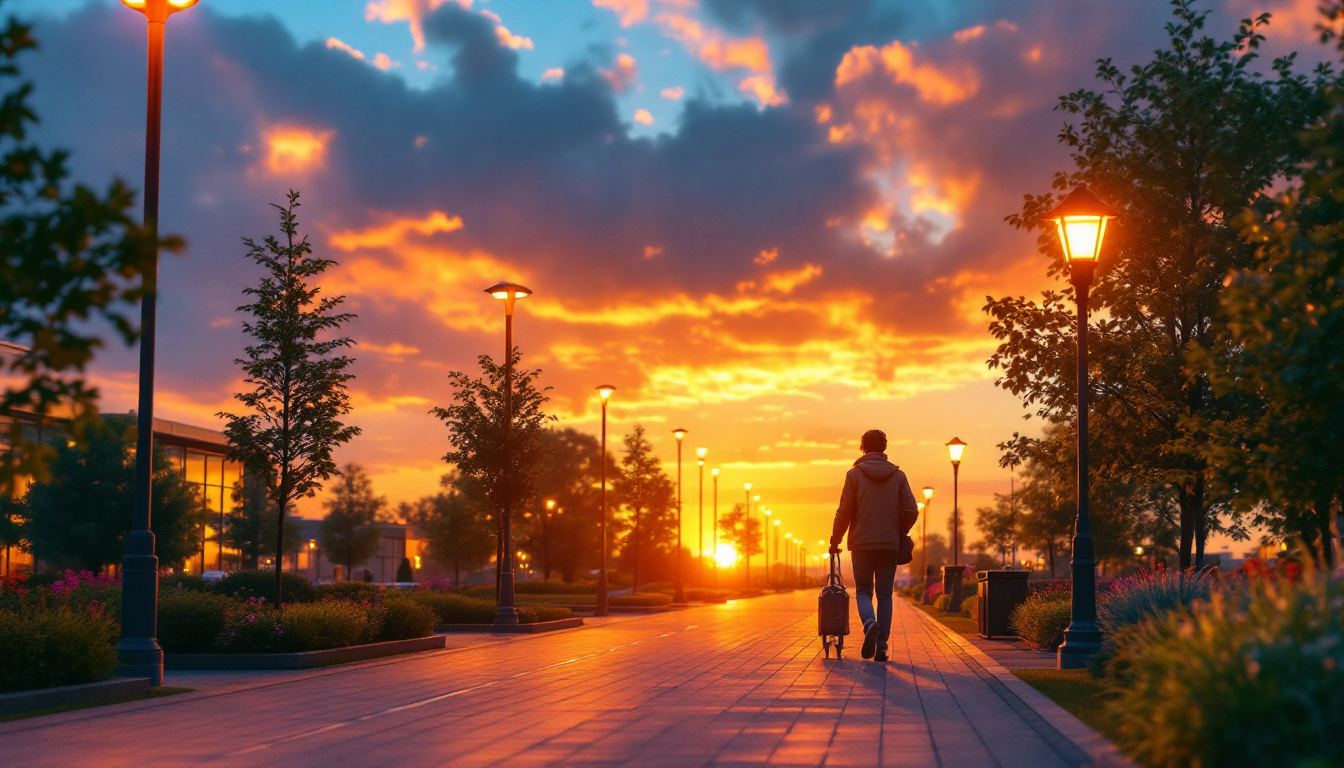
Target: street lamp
924, 535
746, 561
507, 614
1080, 220
603, 392
678, 593
546, 540
765, 542
139, 653
952, 574
700, 454
714, 553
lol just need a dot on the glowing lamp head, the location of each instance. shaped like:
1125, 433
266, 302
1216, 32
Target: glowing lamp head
920, 504
508, 293
550, 504
714, 471
605, 391
701, 452
747, 486
1138, 550
757, 497
679, 434
1080, 219
158, 10
928, 493
312, 543
955, 447
777, 522
788, 536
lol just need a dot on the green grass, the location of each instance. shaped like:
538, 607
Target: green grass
953, 621
154, 693
1077, 691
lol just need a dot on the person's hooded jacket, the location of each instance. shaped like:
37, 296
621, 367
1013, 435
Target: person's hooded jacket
877, 506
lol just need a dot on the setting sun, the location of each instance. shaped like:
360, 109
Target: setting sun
291, 149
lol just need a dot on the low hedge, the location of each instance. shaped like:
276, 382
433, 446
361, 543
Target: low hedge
403, 619
1253, 677
452, 608
554, 587
47, 648
183, 582
246, 584
348, 590
642, 599
1042, 618
190, 622
708, 595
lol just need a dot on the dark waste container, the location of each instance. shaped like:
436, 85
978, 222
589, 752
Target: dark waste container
1000, 592
930, 578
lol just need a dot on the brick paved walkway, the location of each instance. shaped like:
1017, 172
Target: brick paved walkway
740, 684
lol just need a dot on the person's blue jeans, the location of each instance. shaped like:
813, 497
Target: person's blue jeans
875, 569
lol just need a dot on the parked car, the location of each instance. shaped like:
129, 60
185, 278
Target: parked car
213, 575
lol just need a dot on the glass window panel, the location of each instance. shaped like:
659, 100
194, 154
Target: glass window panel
195, 467
214, 498
212, 469
175, 455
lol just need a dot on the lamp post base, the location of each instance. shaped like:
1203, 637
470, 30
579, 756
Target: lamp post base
140, 658
1079, 646
601, 609
507, 615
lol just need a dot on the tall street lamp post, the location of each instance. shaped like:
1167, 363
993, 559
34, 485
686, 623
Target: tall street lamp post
700, 454
765, 532
952, 574
507, 614
765, 541
745, 558
139, 653
924, 541
1080, 219
604, 392
546, 540
714, 553
678, 592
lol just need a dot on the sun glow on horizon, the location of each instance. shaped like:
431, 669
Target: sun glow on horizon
725, 556
294, 149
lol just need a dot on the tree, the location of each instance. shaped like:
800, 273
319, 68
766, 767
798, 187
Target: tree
404, 572
1048, 511
498, 453
998, 525
82, 514
458, 531
1147, 145
250, 525
68, 255
349, 533
742, 532
939, 552
1284, 460
297, 384
648, 497
570, 541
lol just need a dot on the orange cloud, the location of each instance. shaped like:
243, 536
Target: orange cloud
763, 88
623, 74
411, 11
395, 232
510, 40
631, 12
553, 75
333, 43
383, 62
293, 149
897, 61
643, 117
673, 94
765, 257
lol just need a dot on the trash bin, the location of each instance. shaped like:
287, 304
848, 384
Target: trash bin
1000, 593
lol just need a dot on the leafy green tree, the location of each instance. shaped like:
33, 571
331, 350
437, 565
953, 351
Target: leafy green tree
459, 533
1284, 459
297, 382
940, 552
998, 525
570, 540
250, 526
350, 533
82, 514
498, 453
648, 497
68, 255
742, 532
1179, 145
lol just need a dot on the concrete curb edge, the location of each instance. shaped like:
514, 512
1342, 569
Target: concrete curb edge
65, 695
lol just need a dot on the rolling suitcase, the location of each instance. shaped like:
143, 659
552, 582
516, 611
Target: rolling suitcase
833, 611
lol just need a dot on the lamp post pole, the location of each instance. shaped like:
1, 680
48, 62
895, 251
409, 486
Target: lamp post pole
139, 653
700, 454
715, 536
765, 544
746, 559
678, 591
604, 392
952, 574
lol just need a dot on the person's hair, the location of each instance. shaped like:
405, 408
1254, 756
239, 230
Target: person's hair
873, 441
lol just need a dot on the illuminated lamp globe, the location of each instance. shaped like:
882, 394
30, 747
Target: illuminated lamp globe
928, 493
701, 453
955, 447
605, 391
1080, 221
679, 434
158, 10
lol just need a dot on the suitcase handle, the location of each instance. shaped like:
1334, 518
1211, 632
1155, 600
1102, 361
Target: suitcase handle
835, 580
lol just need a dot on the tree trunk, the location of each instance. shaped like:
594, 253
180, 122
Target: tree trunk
1326, 556
1050, 550
634, 560
1201, 521
283, 501
1188, 513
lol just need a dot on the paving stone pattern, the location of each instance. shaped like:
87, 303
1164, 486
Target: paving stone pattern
737, 684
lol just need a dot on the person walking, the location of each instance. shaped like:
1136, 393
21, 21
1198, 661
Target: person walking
877, 510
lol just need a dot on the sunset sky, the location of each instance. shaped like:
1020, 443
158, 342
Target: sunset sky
771, 222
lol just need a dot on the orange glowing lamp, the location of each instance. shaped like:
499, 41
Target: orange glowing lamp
955, 447
928, 493
158, 10
605, 391
1080, 220
700, 453
508, 293
679, 434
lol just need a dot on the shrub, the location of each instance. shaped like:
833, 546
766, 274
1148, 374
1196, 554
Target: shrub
1042, 618
477, 591
402, 619
183, 582
347, 590
708, 595
191, 622
1150, 595
1253, 677
55, 647
941, 602
326, 624
645, 599
970, 607
534, 613
453, 608
251, 627
248, 584
437, 584
553, 587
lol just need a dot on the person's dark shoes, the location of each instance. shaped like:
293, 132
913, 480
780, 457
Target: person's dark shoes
870, 634
881, 656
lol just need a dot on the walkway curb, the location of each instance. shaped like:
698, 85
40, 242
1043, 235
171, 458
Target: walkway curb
514, 629
303, 659
66, 695
1104, 754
